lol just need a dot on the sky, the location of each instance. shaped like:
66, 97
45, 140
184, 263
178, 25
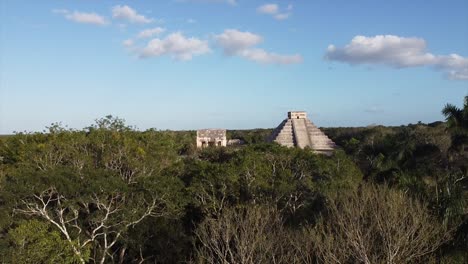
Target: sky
235, 64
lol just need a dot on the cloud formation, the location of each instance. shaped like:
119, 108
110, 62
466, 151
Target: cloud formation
233, 40
397, 52
82, 17
262, 56
458, 75
148, 33
127, 13
176, 45
238, 43
270, 9
275, 12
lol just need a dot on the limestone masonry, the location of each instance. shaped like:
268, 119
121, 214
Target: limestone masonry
298, 131
211, 137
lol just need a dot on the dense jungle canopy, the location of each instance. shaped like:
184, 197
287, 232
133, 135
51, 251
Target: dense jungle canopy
112, 194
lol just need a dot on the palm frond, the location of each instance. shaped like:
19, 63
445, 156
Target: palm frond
453, 115
450, 110
465, 114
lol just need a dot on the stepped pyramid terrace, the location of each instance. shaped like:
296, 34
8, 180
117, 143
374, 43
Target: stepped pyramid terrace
298, 131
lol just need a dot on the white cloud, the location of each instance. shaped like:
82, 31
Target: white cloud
128, 43
233, 40
275, 12
262, 56
82, 17
391, 50
458, 74
452, 61
176, 45
88, 18
148, 33
268, 9
191, 21
127, 13
397, 52
238, 43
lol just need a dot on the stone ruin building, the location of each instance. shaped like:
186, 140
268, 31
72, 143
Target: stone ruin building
298, 131
211, 137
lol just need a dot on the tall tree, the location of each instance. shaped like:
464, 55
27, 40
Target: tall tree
457, 118
457, 122
377, 225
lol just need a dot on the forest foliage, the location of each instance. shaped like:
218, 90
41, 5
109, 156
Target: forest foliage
112, 194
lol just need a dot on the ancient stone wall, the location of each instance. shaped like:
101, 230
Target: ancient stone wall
211, 137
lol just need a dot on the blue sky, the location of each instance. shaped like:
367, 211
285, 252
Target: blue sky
189, 64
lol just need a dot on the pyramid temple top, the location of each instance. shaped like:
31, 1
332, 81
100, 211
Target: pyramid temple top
297, 114
298, 131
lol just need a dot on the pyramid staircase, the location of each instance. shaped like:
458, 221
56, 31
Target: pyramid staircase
298, 131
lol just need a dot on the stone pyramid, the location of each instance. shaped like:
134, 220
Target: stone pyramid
298, 131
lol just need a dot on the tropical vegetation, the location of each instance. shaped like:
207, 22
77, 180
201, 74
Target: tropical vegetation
110, 193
